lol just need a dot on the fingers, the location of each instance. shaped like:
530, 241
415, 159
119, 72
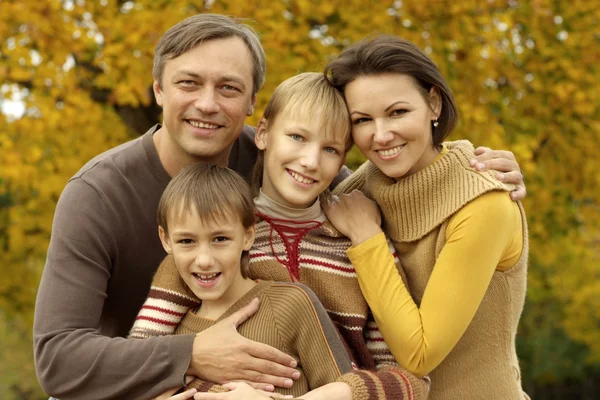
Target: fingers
237, 318
485, 153
519, 193
514, 177
496, 164
270, 360
188, 394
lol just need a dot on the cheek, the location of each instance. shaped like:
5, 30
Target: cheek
361, 138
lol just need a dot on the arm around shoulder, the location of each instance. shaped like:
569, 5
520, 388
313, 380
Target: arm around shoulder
72, 358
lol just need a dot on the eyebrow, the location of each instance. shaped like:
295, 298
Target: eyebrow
386, 110
226, 78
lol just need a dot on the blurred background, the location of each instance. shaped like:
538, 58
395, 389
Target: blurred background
75, 79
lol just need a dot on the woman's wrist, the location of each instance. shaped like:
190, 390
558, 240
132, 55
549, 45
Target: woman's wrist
365, 233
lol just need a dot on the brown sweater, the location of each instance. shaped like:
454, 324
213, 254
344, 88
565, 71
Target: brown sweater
416, 213
103, 253
291, 319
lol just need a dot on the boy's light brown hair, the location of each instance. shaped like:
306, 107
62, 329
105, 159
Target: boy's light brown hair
306, 96
216, 193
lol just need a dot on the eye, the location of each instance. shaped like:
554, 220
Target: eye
296, 137
360, 120
221, 239
331, 150
186, 82
398, 112
230, 88
185, 241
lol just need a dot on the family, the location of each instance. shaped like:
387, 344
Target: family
208, 259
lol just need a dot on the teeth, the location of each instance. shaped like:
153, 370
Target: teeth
390, 152
203, 125
206, 277
301, 178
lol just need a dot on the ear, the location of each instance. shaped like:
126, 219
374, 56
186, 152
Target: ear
435, 101
260, 139
157, 92
249, 238
250, 109
164, 239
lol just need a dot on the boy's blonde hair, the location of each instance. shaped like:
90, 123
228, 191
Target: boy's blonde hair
308, 95
216, 193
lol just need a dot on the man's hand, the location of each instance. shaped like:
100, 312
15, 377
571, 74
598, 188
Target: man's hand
238, 391
354, 215
506, 164
220, 354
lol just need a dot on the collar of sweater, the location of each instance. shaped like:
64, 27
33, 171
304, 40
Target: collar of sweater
265, 205
413, 206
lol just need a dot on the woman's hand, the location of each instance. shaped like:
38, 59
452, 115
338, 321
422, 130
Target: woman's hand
506, 164
355, 216
240, 390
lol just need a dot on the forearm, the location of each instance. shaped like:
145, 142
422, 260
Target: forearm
420, 337
79, 363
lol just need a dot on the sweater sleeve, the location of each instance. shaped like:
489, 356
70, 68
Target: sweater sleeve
479, 239
168, 301
73, 359
305, 326
387, 383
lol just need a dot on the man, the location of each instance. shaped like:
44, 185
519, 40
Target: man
105, 249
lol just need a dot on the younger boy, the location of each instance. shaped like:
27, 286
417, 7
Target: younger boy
206, 222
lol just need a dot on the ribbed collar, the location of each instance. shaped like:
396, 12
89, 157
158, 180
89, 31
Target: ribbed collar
196, 323
266, 205
414, 206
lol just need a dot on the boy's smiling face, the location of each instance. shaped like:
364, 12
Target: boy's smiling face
302, 156
207, 253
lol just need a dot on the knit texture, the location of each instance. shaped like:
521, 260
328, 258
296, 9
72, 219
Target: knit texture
291, 319
416, 210
324, 267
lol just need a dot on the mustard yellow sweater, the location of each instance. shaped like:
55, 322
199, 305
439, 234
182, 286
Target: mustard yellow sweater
462, 244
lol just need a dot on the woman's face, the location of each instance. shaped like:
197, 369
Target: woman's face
391, 122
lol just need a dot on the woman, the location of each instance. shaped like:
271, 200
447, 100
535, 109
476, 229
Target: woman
461, 240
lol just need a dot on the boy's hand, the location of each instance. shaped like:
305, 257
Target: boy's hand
506, 164
220, 354
238, 391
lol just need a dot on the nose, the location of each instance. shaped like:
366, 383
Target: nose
383, 135
204, 258
311, 157
207, 100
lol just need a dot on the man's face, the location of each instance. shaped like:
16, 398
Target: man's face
206, 94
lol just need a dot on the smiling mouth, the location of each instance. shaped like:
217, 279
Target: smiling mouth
206, 278
301, 178
202, 125
386, 153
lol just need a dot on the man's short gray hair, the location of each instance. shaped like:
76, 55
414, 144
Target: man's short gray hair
192, 31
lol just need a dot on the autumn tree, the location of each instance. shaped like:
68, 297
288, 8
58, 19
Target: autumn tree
525, 75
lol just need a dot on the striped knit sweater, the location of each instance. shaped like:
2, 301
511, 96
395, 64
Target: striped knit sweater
318, 260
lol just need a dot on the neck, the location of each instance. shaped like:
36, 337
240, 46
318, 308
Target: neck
174, 158
213, 309
265, 205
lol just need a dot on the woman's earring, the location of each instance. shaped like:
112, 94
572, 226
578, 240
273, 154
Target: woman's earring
436, 123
